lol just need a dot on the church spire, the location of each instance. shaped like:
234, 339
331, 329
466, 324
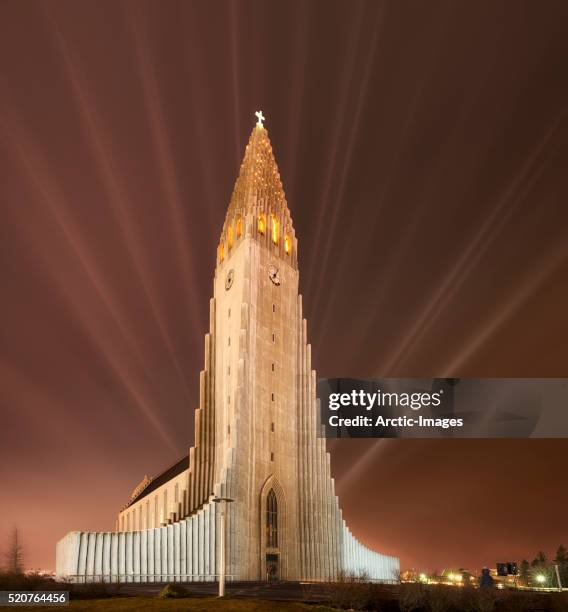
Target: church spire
258, 204
259, 180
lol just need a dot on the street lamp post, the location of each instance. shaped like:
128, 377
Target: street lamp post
558, 578
223, 501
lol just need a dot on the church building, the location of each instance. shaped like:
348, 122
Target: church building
258, 437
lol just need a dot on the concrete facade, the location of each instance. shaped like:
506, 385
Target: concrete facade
256, 430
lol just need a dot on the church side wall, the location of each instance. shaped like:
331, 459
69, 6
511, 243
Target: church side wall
186, 551
158, 507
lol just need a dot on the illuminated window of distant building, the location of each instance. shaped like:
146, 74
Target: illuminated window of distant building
287, 245
275, 230
261, 224
221, 251
239, 227
230, 236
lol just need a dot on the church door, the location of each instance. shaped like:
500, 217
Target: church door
272, 567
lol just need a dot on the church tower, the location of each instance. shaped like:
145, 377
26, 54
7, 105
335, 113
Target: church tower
256, 366
258, 439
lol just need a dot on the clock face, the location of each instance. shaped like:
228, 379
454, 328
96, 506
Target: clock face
274, 275
229, 279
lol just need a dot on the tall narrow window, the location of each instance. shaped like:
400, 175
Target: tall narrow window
230, 236
275, 230
271, 520
221, 252
239, 227
261, 224
287, 245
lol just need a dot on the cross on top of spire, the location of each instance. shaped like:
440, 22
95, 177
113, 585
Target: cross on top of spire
261, 118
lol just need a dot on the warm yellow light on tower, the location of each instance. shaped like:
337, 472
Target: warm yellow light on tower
287, 245
261, 224
275, 230
230, 236
239, 227
221, 252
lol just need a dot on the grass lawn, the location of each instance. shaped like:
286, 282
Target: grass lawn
212, 604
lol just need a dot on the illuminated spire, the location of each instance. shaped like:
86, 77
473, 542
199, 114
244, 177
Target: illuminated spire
258, 206
258, 185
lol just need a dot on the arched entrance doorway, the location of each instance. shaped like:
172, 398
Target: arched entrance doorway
273, 559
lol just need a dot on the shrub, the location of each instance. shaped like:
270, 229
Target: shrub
171, 591
349, 591
442, 598
412, 597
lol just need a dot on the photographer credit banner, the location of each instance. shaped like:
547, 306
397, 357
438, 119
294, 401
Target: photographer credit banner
443, 407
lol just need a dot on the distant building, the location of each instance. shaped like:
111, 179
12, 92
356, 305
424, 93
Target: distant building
256, 430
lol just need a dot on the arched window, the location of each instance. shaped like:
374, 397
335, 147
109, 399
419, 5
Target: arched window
239, 227
287, 245
275, 230
261, 224
271, 520
230, 236
221, 252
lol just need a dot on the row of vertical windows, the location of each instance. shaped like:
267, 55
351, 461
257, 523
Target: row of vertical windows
140, 517
274, 232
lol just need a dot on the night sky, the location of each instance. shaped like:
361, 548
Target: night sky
423, 148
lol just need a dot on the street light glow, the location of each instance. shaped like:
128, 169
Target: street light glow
541, 578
